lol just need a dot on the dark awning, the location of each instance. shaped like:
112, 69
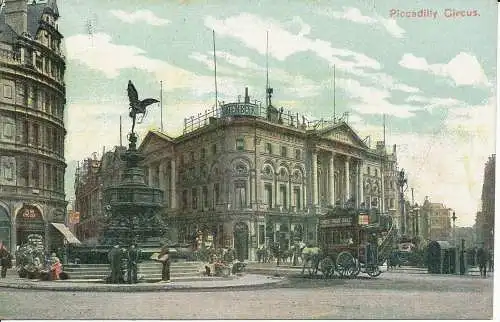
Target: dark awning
66, 233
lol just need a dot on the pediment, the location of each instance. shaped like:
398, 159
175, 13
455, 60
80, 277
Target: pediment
154, 142
343, 133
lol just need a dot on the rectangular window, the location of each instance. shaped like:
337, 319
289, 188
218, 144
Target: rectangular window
205, 197
368, 171
182, 159
283, 196
35, 134
262, 237
298, 154
240, 144
296, 194
191, 156
216, 193
269, 148
194, 198
240, 195
283, 151
35, 174
214, 149
268, 193
184, 199
7, 91
203, 154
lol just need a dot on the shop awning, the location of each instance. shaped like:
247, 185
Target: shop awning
66, 233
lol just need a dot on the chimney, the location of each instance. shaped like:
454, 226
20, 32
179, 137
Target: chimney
16, 15
247, 98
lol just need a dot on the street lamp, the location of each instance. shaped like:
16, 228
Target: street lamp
402, 184
454, 218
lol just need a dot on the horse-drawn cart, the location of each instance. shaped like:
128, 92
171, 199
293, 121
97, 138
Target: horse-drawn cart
351, 241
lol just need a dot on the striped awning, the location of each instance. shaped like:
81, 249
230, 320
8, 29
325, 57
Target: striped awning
66, 233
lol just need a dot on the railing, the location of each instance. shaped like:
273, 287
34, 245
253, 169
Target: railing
31, 191
272, 114
10, 56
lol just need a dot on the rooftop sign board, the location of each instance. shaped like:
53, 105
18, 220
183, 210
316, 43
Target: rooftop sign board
239, 109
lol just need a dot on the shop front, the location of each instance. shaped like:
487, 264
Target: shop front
30, 226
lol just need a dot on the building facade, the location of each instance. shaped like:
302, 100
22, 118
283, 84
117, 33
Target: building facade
92, 176
486, 217
32, 100
247, 176
435, 221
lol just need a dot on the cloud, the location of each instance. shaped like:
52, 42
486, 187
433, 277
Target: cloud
251, 31
142, 15
355, 15
98, 52
463, 69
434, 102
370, 100
448, 164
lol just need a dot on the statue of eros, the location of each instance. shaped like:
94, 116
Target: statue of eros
137, 106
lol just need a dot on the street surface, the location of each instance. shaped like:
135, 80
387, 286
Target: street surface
393, 295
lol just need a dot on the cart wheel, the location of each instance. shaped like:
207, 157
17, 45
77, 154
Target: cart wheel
346, 264
373, 271
357, 270
327, 267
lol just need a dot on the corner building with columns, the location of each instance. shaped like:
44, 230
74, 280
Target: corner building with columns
247, 176
32, 133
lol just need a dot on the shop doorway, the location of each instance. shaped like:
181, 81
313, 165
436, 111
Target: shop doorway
5, 227
30, 226
241, 241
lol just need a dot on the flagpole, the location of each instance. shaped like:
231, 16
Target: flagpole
267, 68
215, 69
161, 106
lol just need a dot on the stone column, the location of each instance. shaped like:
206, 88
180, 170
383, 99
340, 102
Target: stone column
277, 193
161, 176
314, 178
289, 194
347, 181
360, 182
151, 168
173, 179
331, 178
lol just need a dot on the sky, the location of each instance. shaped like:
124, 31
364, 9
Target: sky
430, 70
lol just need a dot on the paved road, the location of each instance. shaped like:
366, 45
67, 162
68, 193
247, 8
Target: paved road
391, 296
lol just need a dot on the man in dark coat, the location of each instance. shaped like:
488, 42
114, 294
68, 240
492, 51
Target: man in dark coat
164, 258
482, 259
5, 259
132, 263
115, 261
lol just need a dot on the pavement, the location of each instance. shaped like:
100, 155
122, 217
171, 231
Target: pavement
256, 275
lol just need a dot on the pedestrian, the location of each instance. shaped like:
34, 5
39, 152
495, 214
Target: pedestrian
164, 258
5, 259
482, 259
490, 261
132, 263
55, 267
115, 262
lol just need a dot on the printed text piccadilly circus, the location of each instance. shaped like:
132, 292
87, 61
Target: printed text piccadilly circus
430, 13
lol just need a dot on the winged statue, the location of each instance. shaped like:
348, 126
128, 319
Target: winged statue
137, 106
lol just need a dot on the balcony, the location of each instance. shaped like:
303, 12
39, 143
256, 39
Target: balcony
10, 56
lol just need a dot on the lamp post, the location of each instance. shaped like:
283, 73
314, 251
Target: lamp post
454, 218
402, 184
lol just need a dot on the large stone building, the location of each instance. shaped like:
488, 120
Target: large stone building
246, 176
32, 100
435, 221
485, 220
92, 176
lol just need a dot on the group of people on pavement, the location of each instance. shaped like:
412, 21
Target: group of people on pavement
120, 273
484, 257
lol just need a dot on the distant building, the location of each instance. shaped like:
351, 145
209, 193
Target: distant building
92, 176
485, 220
32, 100
435, 221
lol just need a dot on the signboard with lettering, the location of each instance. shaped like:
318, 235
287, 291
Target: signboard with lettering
239, 109
363, 219
336, 222
74, 217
